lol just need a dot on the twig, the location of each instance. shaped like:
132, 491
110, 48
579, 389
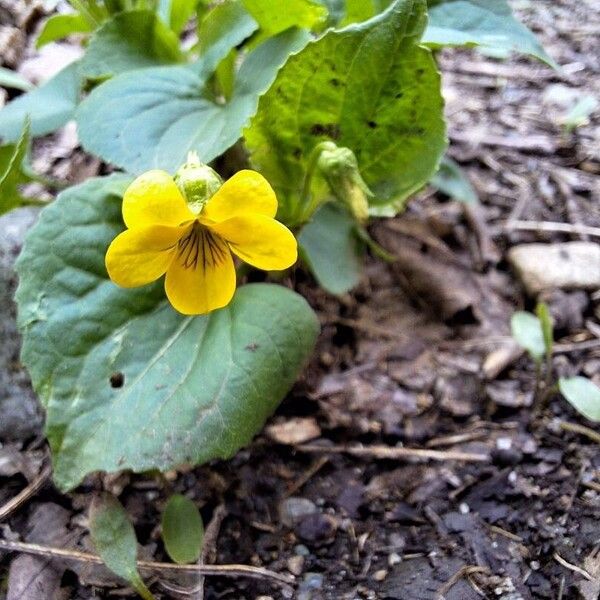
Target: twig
393, 453
451, 440
533, 143
209, 547
575, 346
507, 534
462, 572
560, 560
309, 474
550, 227
581, 429
25, 493
147, 565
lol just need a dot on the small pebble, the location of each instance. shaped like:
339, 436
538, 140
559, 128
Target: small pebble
464, 508
394, 559
293, 510
295, 565
380, 575
301, 550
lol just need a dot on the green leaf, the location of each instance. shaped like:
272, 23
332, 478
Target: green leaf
181, 12
10, 79
273, 18
583, 395
580, 113
58, 27
194, 388
452, 181
222, 29
153, 119
370, 87
182, 529
486, 23
49, 106
330, 248
114, 538
130, 40
358, 10
543, 314
527, 332
12, 173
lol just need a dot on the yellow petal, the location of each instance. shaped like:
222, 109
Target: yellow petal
139, 256
154, 199
201, 277
260, 241
246, 192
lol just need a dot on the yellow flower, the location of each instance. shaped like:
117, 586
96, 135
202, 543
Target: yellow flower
192, 242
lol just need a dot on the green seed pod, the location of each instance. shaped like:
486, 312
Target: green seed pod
197, 182
340, 168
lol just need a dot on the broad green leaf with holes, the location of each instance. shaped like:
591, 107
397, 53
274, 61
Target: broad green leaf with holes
486, 23
331, 249
182, 529
370, 87
58, 27
527, 331
583, 394
130, 40
114, 538
127, 382
453, 181
13, 172
153, 119
48, 107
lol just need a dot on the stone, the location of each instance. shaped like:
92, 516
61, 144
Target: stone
292, 510
570, 265
294, 431
295, 565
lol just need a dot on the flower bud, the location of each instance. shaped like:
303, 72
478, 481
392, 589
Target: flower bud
197, 182
340, 168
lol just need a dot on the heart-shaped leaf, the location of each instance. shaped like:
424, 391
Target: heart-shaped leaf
153, 119
48, 107
331, 249
370, 87
130, 40
486, 23
127, 382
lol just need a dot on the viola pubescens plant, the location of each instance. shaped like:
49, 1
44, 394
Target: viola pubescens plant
319, 122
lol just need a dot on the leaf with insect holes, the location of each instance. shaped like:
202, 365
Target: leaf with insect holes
126, 381
369, 87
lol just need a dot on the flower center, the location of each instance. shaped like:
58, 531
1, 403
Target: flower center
200, 247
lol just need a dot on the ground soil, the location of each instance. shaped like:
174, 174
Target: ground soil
418, 356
